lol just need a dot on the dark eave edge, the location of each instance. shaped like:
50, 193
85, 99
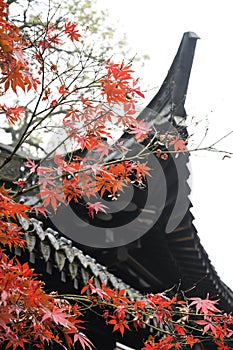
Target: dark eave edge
67, 258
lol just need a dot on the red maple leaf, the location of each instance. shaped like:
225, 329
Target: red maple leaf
178, 144
190, 340
142, 169
95, 290
119, 324
62, 90
13, 114
44, 44
54, 103
94, 208
140, 129
222, 346
208, 326
59, 316
51, 196
83, 340
103, 149
71, 31
204, 306
40, 210
31, 165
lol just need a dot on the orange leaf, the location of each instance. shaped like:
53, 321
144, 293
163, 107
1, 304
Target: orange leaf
178, 144
71, 31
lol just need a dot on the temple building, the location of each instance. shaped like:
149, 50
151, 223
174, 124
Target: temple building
159, 248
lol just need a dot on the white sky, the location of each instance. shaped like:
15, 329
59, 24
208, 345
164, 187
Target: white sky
155, 27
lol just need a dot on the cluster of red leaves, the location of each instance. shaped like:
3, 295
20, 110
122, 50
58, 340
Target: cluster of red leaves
169, 342
13, 65
52, 35
69, 180
181, 323
13, 114
50, 38
87, 125
27, 313
10, 233
116, 85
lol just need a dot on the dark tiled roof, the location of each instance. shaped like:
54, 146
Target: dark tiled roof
58, 252
194, 264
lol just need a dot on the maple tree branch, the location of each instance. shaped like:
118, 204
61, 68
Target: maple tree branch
140, 155
22, 138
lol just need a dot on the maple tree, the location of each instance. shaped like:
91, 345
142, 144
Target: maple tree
82, 58
29, 315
